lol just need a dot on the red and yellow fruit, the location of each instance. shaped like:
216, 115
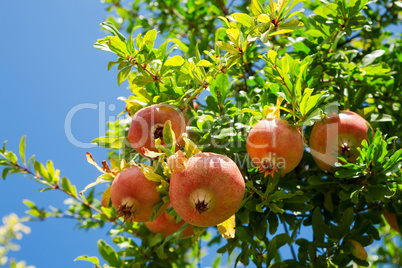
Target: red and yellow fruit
275, 145
148, 124
339, 134
208, 191
166, 225
134, 196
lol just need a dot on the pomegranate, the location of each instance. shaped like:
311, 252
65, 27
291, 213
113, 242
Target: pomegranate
134, 196
208, 191
275, 145
148, 123
340, 134
166, 225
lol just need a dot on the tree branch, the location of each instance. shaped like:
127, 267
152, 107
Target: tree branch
56, 186
290, 245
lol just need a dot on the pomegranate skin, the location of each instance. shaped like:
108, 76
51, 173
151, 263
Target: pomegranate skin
273, 143
147, 125
340, 134
166, 225
132, 189
208, 191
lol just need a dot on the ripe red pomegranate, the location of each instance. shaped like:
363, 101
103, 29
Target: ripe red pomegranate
340, 134
275, 145
208, 191
134, 196
166, 225
391, 219
148, 123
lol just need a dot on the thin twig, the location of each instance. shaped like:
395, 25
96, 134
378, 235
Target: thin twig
195, 94
290, 245
350, 39
56, 186
244, 70
283, 81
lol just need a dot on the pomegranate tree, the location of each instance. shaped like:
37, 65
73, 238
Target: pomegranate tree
208, 191
275, 145
134, 196
339, 134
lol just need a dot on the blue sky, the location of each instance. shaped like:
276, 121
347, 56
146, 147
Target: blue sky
48, 66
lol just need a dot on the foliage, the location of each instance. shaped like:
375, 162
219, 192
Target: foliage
250, 60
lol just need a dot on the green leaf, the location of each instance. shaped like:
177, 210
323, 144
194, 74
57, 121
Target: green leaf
52, 174
5, 172
276, 243
169, 138
108, 254
244, 19
303, 104
123, 74
281, 32
156, 209
174, 61
225, 133
292, 25
94, 260
228, 47
273, 223
118, 46
22, 150
346, 221
315, 33
256, 7
102, 47
370, 58
396, 157
66, 185
204, 63
149, 39
222, 83
11, 157
245, 234
318, 224
29, 204
272, 56
101, 179
108, 26
285, 65
105, 201
183, 47
40, 169
264, 18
